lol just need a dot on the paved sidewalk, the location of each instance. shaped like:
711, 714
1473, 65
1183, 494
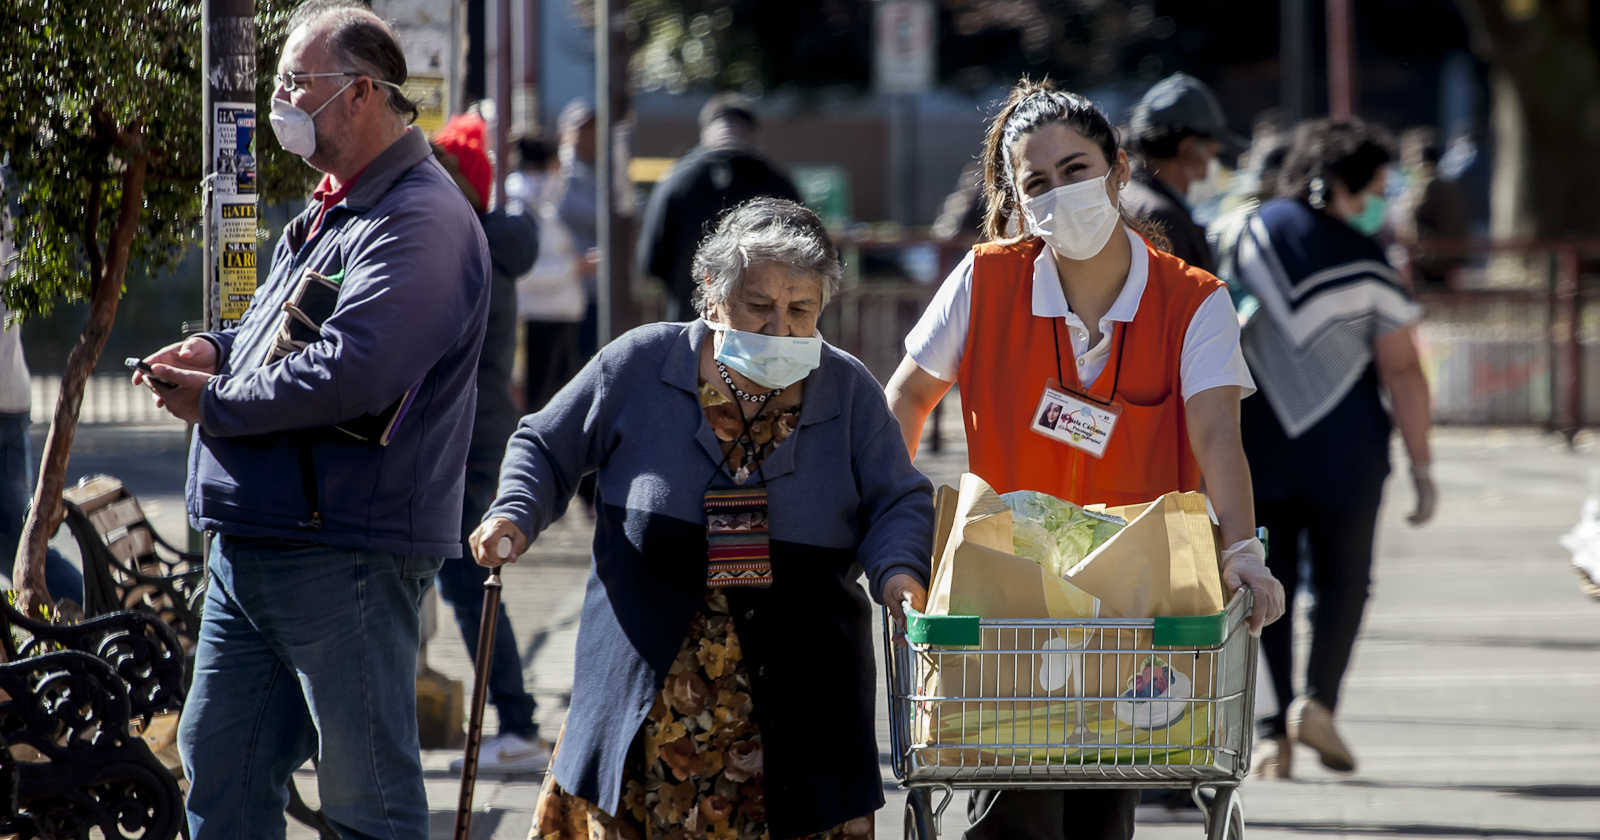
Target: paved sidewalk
1473, 704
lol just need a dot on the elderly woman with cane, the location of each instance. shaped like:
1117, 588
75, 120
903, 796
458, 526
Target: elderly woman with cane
748, 474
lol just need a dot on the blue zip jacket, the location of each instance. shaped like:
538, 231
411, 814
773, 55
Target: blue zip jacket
411, 313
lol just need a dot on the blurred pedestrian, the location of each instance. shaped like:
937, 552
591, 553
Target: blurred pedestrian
1178, 130
62, 578
551, 296
1256, 183
577, 203
961, 215
514, 242
327, 542
688, 659
1066, 301
1430, 208
1335, 335
725, 170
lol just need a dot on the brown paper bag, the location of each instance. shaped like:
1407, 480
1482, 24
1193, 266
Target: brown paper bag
1163, 564
975, 573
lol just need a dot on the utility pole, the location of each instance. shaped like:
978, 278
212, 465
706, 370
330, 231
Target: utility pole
503, 100
613, 217
228, 111
228, 154
1341, 70
476, 83
1294, 47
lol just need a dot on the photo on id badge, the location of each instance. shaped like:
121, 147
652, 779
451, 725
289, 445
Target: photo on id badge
1063, 416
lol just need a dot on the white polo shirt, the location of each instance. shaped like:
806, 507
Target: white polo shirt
1210, 358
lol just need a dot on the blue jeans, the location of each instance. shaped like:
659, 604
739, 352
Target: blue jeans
461, 586
306, 649
16, 494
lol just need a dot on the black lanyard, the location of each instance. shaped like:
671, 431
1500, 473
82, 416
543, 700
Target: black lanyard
744, 436
1118, 334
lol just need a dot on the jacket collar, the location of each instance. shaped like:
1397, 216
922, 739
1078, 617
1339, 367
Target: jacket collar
823, 399
380, 175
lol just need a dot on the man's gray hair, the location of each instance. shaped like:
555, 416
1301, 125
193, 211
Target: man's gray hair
364, 44
763, 230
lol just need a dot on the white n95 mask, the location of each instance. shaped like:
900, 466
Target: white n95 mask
295, 129
1076, 220
770, 361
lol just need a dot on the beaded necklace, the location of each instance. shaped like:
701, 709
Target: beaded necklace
759, 399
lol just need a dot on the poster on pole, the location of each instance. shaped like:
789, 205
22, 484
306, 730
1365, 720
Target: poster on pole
233, 211
904, 54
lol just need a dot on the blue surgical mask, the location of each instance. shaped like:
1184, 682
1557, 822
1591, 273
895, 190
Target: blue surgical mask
1370, 220
770, 361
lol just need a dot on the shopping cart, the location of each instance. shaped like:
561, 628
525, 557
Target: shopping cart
1041, 704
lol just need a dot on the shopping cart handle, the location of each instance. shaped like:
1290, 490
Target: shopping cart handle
1200, 631
947, 630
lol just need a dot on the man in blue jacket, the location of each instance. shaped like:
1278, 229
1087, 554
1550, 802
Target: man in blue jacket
325, 543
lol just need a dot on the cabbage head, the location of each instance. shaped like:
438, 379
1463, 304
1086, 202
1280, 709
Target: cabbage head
1054, 533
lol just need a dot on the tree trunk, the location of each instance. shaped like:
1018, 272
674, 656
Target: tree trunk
46, 513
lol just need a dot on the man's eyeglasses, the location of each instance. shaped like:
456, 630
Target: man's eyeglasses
291, 82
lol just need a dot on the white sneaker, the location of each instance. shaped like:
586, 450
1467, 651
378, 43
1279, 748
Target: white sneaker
507, 753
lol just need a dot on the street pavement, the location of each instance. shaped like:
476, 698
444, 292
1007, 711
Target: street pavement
1473, 703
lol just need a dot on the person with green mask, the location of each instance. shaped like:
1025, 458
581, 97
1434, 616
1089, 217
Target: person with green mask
1335, 332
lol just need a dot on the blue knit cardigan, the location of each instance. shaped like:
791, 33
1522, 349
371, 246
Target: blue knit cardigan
843, 498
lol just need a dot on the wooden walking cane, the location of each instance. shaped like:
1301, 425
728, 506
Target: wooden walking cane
480, 690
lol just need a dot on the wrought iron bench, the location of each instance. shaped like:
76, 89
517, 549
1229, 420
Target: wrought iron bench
128, 566
72, 698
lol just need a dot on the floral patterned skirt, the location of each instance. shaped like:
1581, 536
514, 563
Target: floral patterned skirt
695, 769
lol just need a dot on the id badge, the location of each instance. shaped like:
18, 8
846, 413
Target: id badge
1075, 421
736, 534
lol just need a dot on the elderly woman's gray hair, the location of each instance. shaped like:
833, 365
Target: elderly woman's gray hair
763, 230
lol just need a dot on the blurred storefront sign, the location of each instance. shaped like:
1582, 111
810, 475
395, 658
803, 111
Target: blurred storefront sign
905, 51
430, 36
825, 189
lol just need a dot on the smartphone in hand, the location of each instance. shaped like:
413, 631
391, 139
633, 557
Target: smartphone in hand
136, 363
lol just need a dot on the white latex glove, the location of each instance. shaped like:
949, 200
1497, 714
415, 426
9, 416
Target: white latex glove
1427, 494
1245, 564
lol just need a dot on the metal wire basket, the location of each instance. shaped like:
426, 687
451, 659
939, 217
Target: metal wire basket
1047, 703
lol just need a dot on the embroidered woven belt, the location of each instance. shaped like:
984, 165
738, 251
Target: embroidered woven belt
736, 533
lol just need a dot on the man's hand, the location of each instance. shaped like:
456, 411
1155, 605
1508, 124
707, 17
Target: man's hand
182, 400
192, 353
489, 546
895, 590
1245, 564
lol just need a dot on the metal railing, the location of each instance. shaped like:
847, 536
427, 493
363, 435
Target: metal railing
1509, 337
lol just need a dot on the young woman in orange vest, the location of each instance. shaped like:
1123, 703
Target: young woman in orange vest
1066, 304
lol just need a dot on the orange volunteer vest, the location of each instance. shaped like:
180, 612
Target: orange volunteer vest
1010, 353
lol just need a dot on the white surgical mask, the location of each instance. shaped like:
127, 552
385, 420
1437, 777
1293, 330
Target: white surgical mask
1203, 191
770, 361
295, 129
1076, 219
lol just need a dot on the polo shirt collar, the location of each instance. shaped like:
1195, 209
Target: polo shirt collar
1049, 301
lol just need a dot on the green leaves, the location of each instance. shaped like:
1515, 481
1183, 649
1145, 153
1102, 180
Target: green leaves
87, 88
